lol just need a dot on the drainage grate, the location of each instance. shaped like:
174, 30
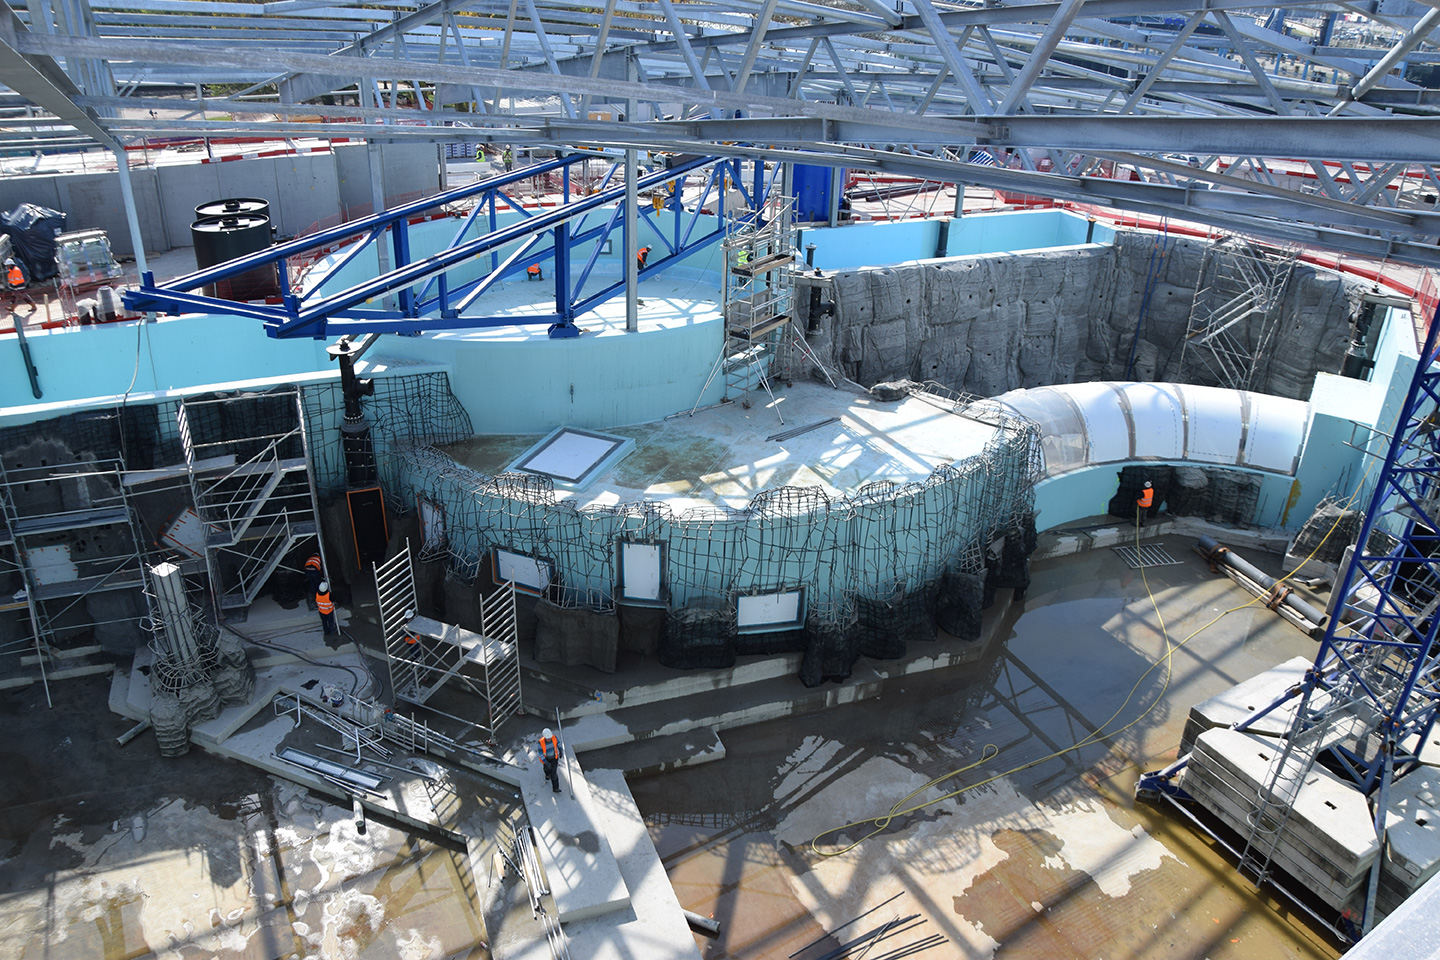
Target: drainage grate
1146, 555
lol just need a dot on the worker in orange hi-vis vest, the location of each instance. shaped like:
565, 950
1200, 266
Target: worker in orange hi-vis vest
532, 272
326, 606
314, 573
641, 256
1143, 503
14, 276
550, 758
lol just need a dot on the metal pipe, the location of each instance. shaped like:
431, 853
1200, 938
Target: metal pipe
132, 733
706, 925
1276, 593
25, 354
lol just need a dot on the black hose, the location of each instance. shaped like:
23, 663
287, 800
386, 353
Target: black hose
356, 677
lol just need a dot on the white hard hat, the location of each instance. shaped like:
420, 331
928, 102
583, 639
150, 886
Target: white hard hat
546, 733
1147, 484
9, 261
324, 586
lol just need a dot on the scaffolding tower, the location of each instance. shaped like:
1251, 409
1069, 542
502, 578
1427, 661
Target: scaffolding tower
424, 654
757, 298
1235, 314
69, 537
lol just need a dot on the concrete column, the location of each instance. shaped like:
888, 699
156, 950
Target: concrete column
132, 217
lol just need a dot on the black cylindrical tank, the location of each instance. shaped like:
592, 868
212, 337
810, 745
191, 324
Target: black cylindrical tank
233, 207
223, 239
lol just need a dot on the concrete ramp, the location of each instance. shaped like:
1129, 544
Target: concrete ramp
579, 866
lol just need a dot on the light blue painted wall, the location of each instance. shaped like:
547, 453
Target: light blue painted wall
877, 244
175, 353
535, 384
1086, 493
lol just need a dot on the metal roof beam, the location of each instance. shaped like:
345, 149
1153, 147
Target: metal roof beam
39, 78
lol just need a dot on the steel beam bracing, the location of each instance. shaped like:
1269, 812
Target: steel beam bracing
1295, 85
427, 298
1371, 699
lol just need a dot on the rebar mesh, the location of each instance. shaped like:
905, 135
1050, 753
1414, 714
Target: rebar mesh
405, 411
892, 544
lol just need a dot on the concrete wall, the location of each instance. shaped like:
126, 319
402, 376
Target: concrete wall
302, 191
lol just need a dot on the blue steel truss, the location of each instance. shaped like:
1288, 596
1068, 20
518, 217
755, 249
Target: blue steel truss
419, 294
1377, 661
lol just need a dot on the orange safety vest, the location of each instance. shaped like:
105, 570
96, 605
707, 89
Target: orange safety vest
1147, 497
313, 563
547, 745
641, 255
324, 603
411, 638
15, 278
533, 269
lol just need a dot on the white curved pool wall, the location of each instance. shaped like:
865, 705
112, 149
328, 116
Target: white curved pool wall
1301, 451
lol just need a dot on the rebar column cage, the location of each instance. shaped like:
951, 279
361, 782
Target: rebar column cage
424, 654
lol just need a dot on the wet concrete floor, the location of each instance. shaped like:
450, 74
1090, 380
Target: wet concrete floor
1036, 858
114, 852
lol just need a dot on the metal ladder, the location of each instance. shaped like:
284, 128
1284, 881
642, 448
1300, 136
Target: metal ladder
502, 670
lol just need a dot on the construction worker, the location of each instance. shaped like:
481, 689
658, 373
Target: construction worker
550, 758
14, 276
1143, 503
532, 272
641, 256
313, 572
326, 606
509, 158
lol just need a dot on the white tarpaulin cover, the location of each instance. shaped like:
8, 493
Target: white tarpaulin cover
1083, 424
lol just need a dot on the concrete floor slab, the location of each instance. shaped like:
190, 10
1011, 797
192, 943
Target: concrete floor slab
1240, 701
721, 457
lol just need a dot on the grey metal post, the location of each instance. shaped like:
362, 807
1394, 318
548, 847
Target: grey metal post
377, 206
837, 186
132, 217
632, 215
959, 200
632, 244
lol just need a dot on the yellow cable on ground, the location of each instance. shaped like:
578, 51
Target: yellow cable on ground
990, 751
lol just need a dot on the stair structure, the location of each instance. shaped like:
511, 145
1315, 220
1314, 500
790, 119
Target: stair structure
252, 488
1236, 313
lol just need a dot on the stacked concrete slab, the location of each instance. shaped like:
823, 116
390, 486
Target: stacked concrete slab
1328, 840
1412, 838
1240, 701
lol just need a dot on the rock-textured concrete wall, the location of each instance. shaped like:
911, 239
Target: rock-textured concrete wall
1002, 322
